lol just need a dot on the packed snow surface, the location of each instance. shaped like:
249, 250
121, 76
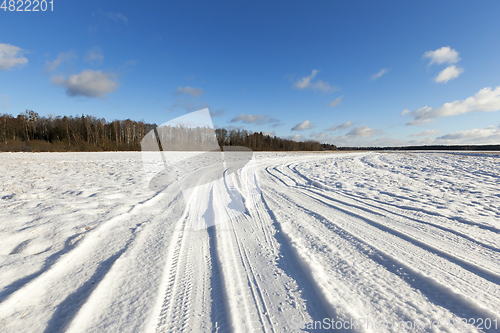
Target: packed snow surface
364, 242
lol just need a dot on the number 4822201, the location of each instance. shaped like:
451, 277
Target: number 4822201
27, 5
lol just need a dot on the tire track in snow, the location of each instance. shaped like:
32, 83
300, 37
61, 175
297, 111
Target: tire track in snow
452, 255
250, 299
70, 248
379, 203
308, 274
192, 295
71, 267
282, 295
234, 276
235, 226
353, 278
68, 309
138, 263
412, 232
220, 312
187, 282
417, 200
381, 207
247, 285
429, 283
311, 278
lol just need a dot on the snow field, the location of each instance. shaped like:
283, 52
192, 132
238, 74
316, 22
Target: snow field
86, 246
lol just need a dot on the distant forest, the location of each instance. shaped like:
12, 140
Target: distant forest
31, 132
429, 147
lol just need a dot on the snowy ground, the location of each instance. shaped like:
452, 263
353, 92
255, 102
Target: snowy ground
373, 242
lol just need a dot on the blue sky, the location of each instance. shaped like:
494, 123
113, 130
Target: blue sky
344, 72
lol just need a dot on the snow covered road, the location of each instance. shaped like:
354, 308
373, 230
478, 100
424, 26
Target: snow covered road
373, 242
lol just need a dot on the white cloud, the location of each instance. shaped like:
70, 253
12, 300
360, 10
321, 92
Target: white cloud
94, 55
442, 55
336, 127
305, 125
336, 102
483, 136
5, 102
195, 92
295, 137
118, 17
449, 73
318, 135
61, 57
88, 83
379, 74
306, 83
486, 99
489, 135
323, 86
363, 132
405, 112
258, 119
425, 133
11, 56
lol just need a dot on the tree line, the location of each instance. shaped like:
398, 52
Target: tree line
261, 142
31, 132
428, 147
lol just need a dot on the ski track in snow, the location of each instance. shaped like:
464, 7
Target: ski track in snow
86, 246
